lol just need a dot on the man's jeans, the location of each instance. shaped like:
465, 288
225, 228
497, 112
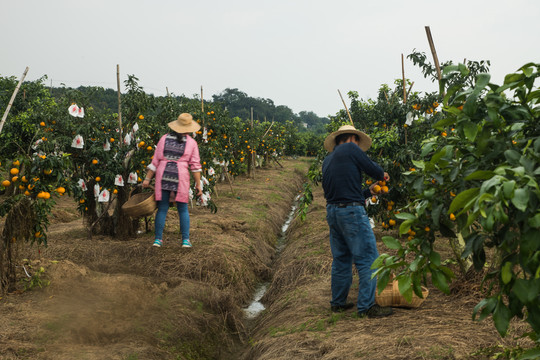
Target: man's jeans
163, 208
351, 241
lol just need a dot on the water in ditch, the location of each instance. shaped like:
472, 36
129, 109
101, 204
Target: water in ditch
256, 307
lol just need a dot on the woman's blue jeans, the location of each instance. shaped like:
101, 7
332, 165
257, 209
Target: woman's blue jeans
351, 241
163, 208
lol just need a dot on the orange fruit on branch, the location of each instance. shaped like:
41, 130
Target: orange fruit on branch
6, 183
95, 161
14, 171
376, 189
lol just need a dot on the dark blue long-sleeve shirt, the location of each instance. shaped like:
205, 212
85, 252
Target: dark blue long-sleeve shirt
342, 174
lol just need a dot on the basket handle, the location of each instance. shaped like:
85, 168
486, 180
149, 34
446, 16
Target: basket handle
139, 185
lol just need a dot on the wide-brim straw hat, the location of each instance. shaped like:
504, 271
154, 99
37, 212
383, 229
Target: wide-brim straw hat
184, 124
330, 141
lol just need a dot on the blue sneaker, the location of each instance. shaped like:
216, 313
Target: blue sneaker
158, 243
186, 243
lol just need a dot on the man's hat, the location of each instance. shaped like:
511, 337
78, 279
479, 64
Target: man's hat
330, 141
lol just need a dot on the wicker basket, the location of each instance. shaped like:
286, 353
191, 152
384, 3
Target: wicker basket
390, 296
139, 205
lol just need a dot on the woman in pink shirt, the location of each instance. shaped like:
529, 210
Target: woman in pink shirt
175, 156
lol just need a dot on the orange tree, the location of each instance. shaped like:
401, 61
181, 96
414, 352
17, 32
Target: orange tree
478, 179
32, 173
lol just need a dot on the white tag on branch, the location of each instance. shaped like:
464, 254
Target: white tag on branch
107, 146
78, 142
211, 171
204, 181
135, 127
104, 196
119, 180
96, 190
132, 178
190, 194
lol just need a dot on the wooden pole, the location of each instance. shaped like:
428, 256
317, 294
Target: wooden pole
253, 154
434, 53
403, 74
10, 104
119, 103
202, 107
408, 92
348, 113
168, 94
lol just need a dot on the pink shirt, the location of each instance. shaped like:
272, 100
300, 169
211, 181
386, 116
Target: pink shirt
189, 161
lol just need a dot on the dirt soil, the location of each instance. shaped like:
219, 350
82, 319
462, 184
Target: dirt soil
124, 299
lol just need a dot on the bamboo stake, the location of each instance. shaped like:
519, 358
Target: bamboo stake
119, 103
168, 94
434, 53
403, 74
10, 104
348, 113
202, 107
253, 154
408, 92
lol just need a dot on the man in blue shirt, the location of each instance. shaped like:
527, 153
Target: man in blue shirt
351, 236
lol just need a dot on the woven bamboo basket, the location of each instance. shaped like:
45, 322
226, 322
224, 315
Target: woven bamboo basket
139, 205
390, 296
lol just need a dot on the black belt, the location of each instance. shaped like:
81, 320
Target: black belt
343, 205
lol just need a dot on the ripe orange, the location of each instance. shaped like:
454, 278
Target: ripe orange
460, 107
115, 191
27, 193
42, 123
376, 189
427, 229
6, 183
368, 182
392, 222
111, 139
47, 171
373, 199
98, 179
61, 190
14, 171
444, 134
81, 201
141, 117
382, 183
149, 148
452, 217
14, 179
141, 144
16, 163
95, 161
389, 207
384, 189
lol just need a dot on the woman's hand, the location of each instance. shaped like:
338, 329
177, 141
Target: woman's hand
199, 191
146, 183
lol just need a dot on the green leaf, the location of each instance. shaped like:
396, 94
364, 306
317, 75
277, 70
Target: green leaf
501, 317
531, 354
463, 199
382, 280
404, 286
480, 175
405, 226
439, 280
506, 272
471, 130
405, 216
512, 156
419, 164
534, 221
521, 199
391, 242
485, 307
435, 258
508, 189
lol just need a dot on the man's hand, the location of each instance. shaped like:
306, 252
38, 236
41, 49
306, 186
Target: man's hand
386, 176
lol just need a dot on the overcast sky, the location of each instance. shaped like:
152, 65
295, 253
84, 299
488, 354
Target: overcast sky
297, 53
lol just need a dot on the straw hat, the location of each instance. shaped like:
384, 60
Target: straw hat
184, 124
330, 141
